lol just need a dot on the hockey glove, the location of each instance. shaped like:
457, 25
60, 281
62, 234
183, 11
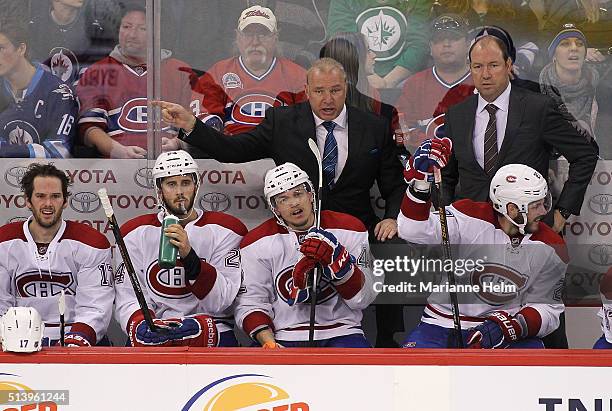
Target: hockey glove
431, 153
323, 246
299, 290
195, 331
497, 331
75, 340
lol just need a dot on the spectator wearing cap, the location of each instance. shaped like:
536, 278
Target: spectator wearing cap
505, 124
423, 91
240, 89
568, 81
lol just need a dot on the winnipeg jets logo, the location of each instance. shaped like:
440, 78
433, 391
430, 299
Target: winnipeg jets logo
21, 132
385, 28
63, 64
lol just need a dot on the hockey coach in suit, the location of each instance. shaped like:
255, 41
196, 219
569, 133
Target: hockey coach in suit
506, 124
356, 146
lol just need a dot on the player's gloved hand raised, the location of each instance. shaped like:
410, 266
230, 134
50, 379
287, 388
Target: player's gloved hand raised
431, 153
301, 272
497, 331
193, 331
322, 246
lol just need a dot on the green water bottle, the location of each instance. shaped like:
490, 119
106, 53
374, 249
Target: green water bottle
167, 251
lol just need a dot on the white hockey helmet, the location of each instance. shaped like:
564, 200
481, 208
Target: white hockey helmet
520, 185
174, 163
22, 330
282, 178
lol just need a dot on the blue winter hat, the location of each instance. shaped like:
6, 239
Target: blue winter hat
569, 30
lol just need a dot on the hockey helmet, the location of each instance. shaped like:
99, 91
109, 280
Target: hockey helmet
174, 163
283, 178
22, 330
520, 185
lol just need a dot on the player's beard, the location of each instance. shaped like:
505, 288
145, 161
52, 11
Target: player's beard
44, 221
177, 211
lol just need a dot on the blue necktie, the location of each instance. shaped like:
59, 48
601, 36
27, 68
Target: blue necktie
330, 155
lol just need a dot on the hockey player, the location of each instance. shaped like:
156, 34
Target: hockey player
113, 92
240, 89
605, 313
45, 255
206, 278
273, 306
514, 247
39, 119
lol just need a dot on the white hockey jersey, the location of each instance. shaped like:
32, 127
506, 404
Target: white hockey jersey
512, 276
78, 261
269, 253
605, 313
215, 238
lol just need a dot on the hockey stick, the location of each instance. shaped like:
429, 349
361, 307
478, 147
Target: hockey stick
110, 214
61, 305
317, 271
446, 251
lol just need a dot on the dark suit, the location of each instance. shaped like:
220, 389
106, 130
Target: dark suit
534, 127
283, 136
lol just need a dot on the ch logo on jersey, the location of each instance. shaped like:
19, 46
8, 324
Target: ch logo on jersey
21, 132
494, 275
251, 109
63, 63
44, 284
435, 127
284, 282
231, 80
133, 116
385, 28
168, 283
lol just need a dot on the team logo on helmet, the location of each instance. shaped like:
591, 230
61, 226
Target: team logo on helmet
21, 132
231, 80
497, 274
215, 202
63, 64
511, 179
143, 177
168, 283
13, 175
284, 282
251, 109
85, 202
44, 284
385, 28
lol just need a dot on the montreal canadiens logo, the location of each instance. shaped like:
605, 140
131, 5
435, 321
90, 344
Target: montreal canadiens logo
43, 284
168, 283
435, 128
251, 109
511, 179
498, 275
284, 282
133, 116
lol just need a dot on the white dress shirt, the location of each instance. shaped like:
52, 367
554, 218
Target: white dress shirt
482, 119
341, 135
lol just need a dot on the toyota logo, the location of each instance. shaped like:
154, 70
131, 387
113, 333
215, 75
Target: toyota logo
85, 202
215, 202
143, 177
601, 204
601, 254
13, 175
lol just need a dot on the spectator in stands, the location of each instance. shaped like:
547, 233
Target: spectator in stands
67, 37
521, 22
571, 82
113, 92
396, 32
423, 91
39, 112
240, 89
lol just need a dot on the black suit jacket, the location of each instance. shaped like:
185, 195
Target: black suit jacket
283, 136
534, 127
